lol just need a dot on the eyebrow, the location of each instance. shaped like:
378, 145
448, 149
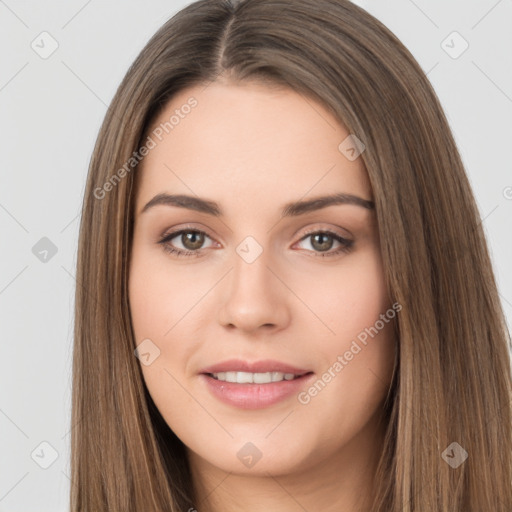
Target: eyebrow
291, 209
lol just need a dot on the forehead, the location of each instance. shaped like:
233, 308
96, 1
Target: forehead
237, 142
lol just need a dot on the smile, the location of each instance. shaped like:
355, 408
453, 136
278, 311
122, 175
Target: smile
253, 378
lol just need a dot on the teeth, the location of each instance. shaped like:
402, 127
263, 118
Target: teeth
253, 378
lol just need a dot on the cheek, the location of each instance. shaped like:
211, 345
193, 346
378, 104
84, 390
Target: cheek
364, 295
160, 297
347, 299
160, 294
367, 328
158, 301
357, 358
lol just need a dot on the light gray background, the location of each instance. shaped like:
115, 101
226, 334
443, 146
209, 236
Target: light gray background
51, 110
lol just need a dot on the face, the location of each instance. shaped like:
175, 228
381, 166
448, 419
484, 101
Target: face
266, 328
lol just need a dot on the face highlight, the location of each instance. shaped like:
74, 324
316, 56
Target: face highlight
255, 240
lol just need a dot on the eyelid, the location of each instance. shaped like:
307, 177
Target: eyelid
322, 227
345, 242
172, 233
318, 227
334, 231
186, 227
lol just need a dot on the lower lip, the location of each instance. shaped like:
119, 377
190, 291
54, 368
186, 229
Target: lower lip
254, 396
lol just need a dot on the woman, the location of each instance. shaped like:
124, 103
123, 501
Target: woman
223, 361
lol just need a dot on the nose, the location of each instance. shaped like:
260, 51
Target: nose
254, 297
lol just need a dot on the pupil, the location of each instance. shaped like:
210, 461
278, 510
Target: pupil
324, 245
192, 240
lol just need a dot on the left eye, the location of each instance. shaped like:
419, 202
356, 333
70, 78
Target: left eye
192, 241
324, 240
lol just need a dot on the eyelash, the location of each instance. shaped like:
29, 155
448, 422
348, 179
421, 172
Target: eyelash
346, 245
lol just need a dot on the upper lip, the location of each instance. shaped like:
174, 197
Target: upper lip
264, 366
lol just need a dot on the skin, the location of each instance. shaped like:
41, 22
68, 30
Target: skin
252, 149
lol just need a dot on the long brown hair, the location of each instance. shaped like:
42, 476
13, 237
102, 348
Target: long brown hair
453, 378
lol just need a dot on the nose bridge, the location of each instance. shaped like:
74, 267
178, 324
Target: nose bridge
251, 265
254, 296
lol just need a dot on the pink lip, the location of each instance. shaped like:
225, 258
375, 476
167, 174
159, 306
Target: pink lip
254, 396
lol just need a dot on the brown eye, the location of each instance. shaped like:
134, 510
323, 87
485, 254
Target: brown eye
192, 240
322, 241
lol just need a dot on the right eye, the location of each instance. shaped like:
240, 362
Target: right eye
191, 240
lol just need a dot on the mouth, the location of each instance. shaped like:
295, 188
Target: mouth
254, 384
239, 377
249, 370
